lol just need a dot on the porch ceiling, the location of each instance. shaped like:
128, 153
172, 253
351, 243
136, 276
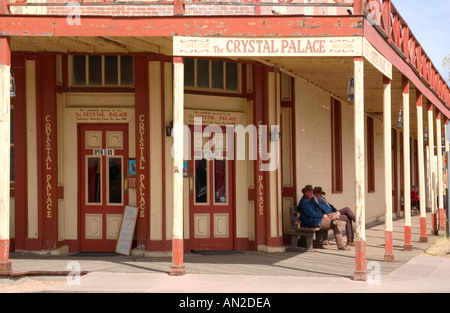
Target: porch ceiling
79, 44
332, 74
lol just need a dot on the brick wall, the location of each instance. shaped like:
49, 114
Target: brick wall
190, 9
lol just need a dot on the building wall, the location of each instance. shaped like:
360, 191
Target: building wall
313, 151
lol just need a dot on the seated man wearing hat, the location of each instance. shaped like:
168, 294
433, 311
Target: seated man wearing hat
311, 216
346, 215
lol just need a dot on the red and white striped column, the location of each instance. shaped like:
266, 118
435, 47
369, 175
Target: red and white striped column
407, 246
387, 88
5, 67
440, 178
420, 160
177, 267
432, 166
360, 273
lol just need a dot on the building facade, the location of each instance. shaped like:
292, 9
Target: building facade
210, 118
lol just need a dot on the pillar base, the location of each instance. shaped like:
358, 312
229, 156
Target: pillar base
407, 247
360, 275
423, 239
388, 258
5, 268
177, 270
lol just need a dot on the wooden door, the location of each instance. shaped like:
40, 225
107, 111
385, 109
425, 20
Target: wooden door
102, 166
211, 193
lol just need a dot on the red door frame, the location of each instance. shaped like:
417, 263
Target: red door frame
99, 245
212, 243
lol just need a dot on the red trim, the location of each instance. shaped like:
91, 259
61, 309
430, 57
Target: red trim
290, 192
20, 151
142, 151
259, 178
405, 85
232, 25
48, 152
337, 180
4, 250
389, 248
5, 51
434, 230
407, 235
360, 256
177, 267
370, 155
441, 219
423, 229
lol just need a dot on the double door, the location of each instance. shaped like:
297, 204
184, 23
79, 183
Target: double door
102, 158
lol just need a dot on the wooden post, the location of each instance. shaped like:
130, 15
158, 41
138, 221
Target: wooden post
360, 273
177, 267
389, 254
420, 159
406, 166
440, 182
434, 230
5, 67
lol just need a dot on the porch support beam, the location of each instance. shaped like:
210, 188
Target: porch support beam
360, 273
177, 267
432, 191
406, 165
440, 183
420, 159
5, 66
387, 125
168, 26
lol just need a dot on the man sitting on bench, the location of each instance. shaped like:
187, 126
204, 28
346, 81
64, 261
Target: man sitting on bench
345, 215
312, 216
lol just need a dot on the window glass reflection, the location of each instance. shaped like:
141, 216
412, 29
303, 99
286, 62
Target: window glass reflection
94, 180
201, 181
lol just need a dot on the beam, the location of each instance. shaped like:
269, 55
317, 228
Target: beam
5, 66
268, 26
432, 191
421, 161
177, 267
387, 125
406, 165
440, 178
360, 273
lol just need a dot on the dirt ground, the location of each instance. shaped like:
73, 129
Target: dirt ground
30, 284
440, 248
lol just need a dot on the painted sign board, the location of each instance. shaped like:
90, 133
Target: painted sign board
377, 59
350, 46
262, 46
126, 231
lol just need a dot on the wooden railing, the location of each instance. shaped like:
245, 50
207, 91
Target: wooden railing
383, 15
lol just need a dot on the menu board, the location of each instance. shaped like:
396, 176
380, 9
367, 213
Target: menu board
126, 232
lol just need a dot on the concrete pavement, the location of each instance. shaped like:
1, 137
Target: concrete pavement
327, 270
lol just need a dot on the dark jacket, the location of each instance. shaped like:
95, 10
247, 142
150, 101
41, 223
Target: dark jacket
310, 213
326, 207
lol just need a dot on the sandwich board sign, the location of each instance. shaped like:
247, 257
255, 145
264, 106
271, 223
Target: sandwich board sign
126, 230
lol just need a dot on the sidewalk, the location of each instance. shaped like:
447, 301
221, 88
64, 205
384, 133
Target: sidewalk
327, 270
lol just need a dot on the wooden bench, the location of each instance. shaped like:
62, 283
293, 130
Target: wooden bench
306, 234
